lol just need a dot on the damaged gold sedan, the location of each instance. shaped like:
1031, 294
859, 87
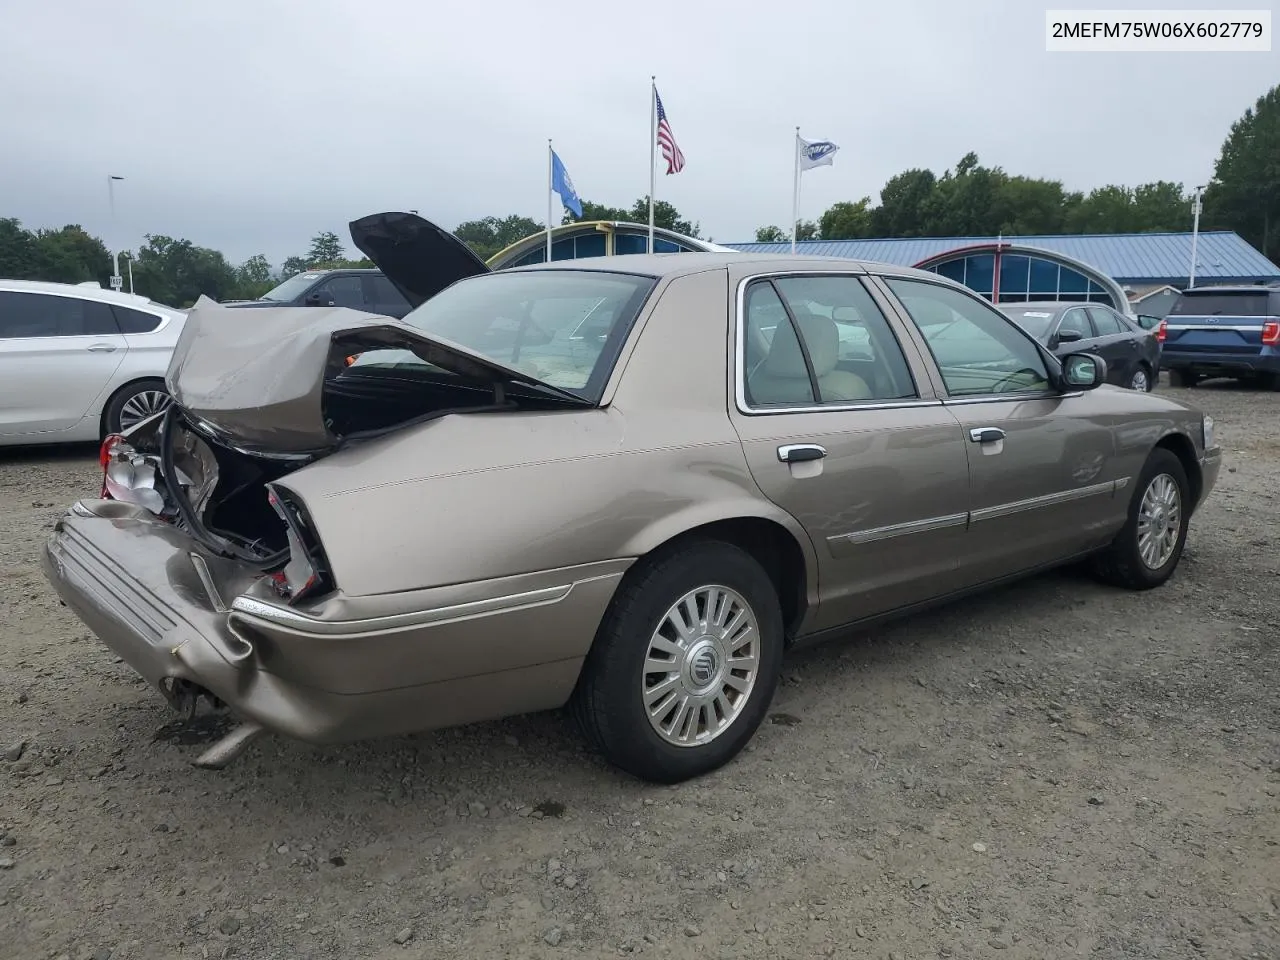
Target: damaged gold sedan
626, 484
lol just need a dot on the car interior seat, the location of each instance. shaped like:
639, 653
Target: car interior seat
783, 378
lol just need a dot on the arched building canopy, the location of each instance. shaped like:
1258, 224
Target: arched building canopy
597, 238
1012, 273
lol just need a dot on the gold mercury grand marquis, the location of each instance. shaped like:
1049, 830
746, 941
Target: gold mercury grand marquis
629, 484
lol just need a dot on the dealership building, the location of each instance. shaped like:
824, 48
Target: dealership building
1133, 272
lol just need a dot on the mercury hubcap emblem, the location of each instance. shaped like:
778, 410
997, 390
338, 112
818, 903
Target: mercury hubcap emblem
704, 664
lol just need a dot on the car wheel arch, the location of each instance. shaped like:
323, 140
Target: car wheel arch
785, 553
1180, 445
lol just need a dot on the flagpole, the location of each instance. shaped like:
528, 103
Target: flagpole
795, 191
653, 148
549, 179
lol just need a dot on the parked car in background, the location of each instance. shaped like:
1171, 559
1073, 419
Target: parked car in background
1133, 354
78, 361
599, 482
365, 290
1224, 332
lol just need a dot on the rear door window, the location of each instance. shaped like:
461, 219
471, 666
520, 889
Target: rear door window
1243, 304
45, 315
344, 291
1105, 322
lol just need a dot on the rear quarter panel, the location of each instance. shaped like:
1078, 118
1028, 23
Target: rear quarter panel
473, 497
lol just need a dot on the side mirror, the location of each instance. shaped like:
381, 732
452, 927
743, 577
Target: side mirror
318, 300
1069, 336
1083, 371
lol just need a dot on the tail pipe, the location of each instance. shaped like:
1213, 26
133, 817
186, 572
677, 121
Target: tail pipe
230, 747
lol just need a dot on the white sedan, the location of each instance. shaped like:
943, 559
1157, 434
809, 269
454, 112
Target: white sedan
78, 362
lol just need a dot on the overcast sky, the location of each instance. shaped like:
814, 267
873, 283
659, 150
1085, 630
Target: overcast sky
251, 126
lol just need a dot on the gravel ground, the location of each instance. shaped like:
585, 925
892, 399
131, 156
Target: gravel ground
1055, 769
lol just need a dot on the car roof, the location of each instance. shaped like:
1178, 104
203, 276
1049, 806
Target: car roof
86, 291
1049, 306
682, 264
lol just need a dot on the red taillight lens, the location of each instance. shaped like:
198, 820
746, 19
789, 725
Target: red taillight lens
1162, 331
1271, 333
105, 455
108, 448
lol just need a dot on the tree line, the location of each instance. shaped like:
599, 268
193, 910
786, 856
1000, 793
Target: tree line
969, 200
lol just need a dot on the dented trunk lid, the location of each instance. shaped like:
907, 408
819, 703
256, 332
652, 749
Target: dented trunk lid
256, 378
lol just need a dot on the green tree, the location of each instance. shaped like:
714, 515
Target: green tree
18, 259
178, 272
71, 255
596, 211
292, 267
902, 201
491, 234
1026, 205
846, 220
806, 230
257, 269
770, 234
665, 215
1246, 194
325, 248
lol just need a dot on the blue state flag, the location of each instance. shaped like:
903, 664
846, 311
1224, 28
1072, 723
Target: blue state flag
561, 184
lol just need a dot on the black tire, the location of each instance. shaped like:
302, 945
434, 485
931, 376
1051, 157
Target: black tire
608, 703
116, 407
1182, 378
1121, 563
1145, 370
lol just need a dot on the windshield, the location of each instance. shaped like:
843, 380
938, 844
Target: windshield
1035, 322
1220, 305
292, 288
562, 327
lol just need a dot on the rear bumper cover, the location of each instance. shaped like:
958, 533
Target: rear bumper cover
346, 669
1234, 363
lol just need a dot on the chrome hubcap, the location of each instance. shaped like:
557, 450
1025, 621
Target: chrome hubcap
701, 666
1139, 380
141, 405
1159, 521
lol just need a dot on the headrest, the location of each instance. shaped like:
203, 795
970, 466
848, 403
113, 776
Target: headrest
820, 336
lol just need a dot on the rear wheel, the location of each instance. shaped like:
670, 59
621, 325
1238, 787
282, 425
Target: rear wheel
133, 403
1140, 379
1183, 378
1147, 549
684, 664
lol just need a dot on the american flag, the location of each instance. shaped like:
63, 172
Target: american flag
666, 140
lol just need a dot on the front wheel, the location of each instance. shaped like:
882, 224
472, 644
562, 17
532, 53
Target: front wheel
1147, 549
684, 665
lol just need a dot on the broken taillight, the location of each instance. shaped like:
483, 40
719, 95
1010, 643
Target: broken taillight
1162, 330
306, 570
1271, 333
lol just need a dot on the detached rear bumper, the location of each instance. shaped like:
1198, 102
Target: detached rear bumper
343, 669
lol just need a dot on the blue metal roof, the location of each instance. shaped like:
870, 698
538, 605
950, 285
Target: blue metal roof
1146, 258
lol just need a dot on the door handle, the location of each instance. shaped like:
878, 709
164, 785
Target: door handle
101, 347
986, 434
800, 452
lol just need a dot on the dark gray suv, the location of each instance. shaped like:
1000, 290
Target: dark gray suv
365, 290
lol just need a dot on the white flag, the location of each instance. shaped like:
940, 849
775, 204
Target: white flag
815, 153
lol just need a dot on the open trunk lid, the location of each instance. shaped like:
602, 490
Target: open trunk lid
418, 257
257, 378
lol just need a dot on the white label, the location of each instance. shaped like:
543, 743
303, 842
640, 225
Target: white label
1158, 31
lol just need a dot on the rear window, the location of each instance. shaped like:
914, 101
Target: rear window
135, 321
1243, 304
1035, 322
562, 327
